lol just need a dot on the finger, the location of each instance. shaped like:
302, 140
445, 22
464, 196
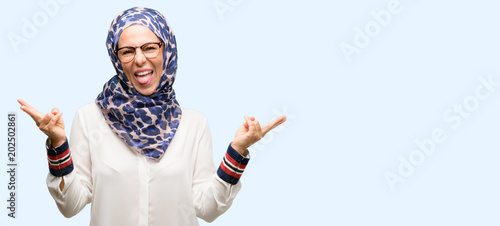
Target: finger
36, 115
45, 122
247, 120
258, 129
246, 123
53, 121
22, 102
273, 124
251, 130
251, 118
55, 111
56, 118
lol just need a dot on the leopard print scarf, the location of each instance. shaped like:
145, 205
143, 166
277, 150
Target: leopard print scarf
147, 124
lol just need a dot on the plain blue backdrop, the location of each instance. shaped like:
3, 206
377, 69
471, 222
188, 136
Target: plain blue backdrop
359, 80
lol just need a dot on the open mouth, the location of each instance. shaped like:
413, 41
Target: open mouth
144, 77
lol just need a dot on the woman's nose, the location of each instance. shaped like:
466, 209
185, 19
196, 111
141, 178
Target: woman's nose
140, 58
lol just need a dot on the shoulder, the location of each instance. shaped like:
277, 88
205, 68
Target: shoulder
89, 113
192, 115
193, 120
90, 109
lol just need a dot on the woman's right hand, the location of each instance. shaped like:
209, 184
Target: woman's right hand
51, 124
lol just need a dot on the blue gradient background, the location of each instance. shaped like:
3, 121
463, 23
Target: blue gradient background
348, 122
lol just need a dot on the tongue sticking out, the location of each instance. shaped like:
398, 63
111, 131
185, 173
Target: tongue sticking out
144, 79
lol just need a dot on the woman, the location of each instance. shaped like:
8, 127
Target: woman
135, 154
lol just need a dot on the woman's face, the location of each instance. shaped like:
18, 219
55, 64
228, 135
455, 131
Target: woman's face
144, 73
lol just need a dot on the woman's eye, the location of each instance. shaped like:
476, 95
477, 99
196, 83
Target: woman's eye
127, 52
150, 48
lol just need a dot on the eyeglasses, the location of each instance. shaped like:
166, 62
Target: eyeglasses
150, 50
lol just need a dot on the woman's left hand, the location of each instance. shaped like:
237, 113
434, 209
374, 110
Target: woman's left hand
251, 132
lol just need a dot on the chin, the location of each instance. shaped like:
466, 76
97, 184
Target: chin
146, 92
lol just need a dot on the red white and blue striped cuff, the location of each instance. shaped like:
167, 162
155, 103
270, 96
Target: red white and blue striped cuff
60, 161
232, 166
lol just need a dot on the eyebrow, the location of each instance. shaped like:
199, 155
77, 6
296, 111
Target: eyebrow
117, 46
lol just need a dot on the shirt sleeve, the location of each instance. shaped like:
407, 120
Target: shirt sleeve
232, 166
71, 162
59, 158
214, 191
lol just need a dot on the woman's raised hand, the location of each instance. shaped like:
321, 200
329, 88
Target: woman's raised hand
51, 124
251, 132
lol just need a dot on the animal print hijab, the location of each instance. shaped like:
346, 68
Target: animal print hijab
146, 123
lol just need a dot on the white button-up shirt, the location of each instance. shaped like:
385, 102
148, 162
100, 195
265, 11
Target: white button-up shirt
127, 188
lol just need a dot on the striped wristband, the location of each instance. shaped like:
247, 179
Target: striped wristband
60, 162
232, 166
